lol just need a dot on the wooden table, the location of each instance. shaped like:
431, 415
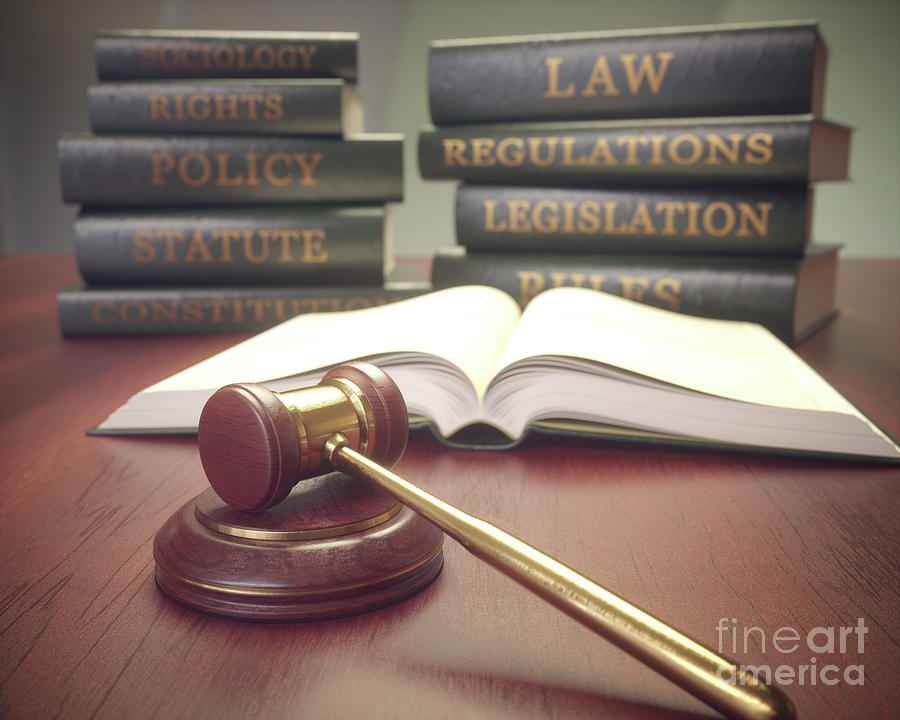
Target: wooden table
771, 542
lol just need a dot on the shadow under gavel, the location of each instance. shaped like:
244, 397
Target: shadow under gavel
256, 444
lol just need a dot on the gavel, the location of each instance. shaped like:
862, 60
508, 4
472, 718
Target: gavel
257, 444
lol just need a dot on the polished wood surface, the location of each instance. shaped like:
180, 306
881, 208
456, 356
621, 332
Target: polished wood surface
691, 537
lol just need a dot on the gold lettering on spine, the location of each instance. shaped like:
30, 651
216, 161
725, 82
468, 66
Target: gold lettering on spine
759, 149
668, 292
633, 288
534, 150
198, 247
198, 106
252, 169
553, 90
148, 56
143, 251
759, 219
602, 152
454, 152
610, 227
169, 237
530, 284
99, 313
490, 222
709, 219
631, 142
160, 165
163, 312
268, 169
504, 154
222, 179
273, 106
731, 152
308, 165
481, 152
306, 55
158, 108
518, 215
589, 217
646, 69
249, 254
568, 155
314, 250
693, 209
641, 222
600, 75
225, 238
202, 162
540, 222
696, 152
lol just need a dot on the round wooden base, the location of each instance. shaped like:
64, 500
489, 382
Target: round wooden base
335, 547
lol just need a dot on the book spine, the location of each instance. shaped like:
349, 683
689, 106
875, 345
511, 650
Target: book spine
752, 221
134, 56
299, 108
747, 71
209, 169
768, 151
253, 246
759, 290
149, 311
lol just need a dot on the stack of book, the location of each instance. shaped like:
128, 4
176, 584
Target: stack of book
227, 185
670, 166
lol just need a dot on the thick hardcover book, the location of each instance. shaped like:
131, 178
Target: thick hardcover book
264, 107
792, 297
752, 69
765, 149
150, 311
258, 245
146, 54
771, 220
229, 169
467, 359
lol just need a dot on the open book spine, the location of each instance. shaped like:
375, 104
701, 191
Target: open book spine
255, 245
223, 169
763, 290
725, 70
136, 54
154, 310
765, 149
275, 107
765, 221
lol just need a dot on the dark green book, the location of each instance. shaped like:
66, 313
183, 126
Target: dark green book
143, 54
770, 220
150, 311
747, 69
792, 297
230, 169
765, 149
264, 107
255, 245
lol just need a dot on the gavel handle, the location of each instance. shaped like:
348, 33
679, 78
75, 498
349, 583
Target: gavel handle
708, 676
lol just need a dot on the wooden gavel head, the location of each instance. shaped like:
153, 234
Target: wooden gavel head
256, 444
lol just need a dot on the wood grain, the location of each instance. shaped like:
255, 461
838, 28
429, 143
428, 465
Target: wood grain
690, 537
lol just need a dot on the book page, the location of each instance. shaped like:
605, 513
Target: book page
741, 361
468, 326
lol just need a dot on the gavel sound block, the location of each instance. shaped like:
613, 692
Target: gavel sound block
333, 545
256, 444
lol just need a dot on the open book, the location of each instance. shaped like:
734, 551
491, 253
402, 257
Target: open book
576, 360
